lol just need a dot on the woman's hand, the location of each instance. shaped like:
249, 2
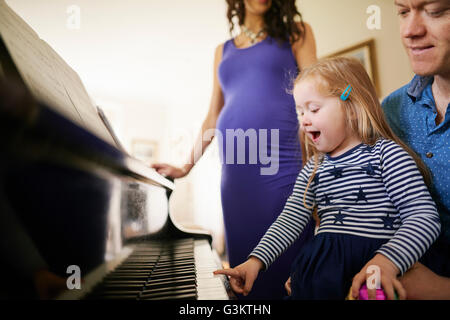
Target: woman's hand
243, 276
287, 286
389, 281
168, 170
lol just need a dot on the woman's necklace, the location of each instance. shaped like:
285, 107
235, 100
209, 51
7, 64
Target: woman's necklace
252, 35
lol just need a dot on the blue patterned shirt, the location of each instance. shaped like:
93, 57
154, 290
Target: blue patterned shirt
369, 191
411, 113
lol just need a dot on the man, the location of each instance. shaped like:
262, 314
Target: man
419, 114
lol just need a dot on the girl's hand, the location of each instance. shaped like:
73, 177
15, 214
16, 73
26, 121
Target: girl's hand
388, 274
168, 170
287, 286
244, 275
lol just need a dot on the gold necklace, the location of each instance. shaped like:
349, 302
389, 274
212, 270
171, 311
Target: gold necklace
253, 36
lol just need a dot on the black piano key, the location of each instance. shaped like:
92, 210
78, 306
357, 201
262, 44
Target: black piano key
143, 258
132, 263
121, 286
113, 297
162, 289
174, 265
173, 271
167, 284
116, 292
168, 293
176, 258
126, 277
171, 278
120, 282
136, 267
131, 272
154, 270
160, 275
178, 297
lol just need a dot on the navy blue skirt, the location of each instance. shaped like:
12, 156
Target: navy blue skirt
325, 267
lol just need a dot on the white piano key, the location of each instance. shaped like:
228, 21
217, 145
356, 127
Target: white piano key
209, 286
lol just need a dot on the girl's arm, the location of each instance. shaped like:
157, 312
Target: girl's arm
420, 224
281, 234
290, 223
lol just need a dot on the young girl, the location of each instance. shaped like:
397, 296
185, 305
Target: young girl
370, 196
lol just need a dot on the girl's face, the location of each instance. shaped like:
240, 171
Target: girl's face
257, 7
323, 119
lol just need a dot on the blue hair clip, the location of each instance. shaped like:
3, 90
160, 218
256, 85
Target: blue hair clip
346, 93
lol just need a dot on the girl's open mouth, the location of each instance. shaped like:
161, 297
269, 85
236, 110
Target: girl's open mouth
314, 135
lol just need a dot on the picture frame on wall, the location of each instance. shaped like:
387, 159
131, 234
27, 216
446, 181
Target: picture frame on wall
364, 52
145, 150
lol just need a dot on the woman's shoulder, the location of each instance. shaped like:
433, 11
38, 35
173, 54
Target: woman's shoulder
218, 51
304, 48
305, 32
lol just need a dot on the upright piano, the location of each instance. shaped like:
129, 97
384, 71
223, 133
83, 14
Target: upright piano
72, 197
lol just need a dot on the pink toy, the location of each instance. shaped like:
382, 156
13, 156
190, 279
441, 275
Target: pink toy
363, 294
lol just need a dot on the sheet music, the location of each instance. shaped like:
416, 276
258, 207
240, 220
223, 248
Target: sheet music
49, 78
78, 96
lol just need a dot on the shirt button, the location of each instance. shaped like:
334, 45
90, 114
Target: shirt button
429, 154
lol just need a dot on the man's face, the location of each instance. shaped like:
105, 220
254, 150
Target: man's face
425, 32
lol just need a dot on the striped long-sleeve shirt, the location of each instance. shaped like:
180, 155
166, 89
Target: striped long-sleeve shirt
370, 191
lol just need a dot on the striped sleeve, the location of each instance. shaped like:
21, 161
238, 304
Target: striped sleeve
290, 223
420, 224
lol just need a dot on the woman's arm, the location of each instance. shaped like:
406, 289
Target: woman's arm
209, 124
304, 49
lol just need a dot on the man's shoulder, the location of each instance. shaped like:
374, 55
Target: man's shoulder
395, 99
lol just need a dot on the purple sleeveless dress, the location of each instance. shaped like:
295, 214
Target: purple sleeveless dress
258, 179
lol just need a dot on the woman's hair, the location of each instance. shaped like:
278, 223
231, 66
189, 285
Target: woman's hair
280, 19
362, 107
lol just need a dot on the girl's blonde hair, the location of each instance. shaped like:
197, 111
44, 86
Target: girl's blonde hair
362, 107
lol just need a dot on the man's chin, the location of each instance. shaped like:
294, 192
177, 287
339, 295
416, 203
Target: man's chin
424, 69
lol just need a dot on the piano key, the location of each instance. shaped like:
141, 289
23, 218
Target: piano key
177, 272
120, 282
116, 293
168, 293
171, 279
96, 276
178, 297
114, 297
166, 275
209, 286
121, 286
175, 264
164, 284
181, 270
164, 289
126, 277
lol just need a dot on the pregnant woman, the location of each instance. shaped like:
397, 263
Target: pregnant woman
254, 116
